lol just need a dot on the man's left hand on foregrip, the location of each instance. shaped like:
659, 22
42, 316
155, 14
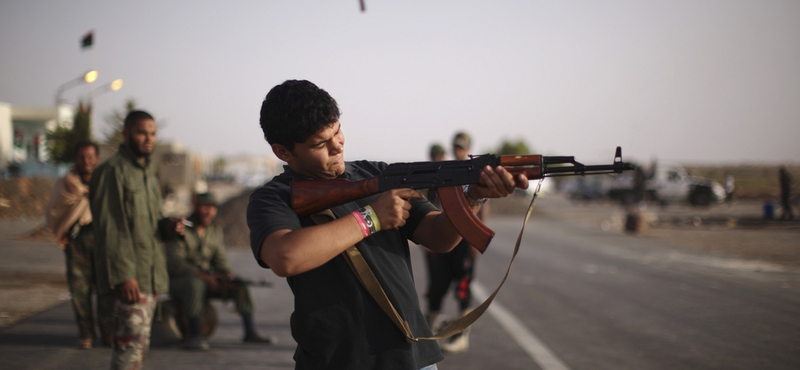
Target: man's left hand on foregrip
497, 183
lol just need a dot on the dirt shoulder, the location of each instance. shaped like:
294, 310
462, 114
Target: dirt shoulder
777, 246
32, 271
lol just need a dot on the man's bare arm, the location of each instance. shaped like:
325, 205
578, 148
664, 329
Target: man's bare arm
291, 252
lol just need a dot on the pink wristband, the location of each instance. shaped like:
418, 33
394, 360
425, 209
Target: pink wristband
361, 223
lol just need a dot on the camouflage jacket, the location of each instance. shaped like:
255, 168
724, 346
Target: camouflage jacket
125, 199
193, 253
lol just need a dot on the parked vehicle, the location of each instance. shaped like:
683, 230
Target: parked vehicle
666, 183
584, 188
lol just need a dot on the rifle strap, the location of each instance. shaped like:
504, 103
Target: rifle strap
367, 278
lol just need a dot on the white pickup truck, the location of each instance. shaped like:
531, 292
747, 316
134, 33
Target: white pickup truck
670, 183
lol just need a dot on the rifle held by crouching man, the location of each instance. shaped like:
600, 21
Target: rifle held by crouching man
245, 282
449, 179
236, 289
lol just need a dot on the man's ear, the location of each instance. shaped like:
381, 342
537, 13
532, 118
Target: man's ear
281, 152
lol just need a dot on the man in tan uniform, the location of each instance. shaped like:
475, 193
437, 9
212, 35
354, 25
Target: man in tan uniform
69, 217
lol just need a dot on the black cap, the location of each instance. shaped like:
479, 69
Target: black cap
437, 150
206, 198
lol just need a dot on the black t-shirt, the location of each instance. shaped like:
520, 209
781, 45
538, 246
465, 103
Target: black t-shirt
336, 323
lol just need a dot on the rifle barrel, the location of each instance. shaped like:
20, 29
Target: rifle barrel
580, 169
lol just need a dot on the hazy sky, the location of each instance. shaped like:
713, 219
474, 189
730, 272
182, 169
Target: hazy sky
686, 80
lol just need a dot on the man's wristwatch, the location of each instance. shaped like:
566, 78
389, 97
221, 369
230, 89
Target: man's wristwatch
470, 201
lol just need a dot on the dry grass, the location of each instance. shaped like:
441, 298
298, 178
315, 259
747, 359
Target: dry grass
24, 197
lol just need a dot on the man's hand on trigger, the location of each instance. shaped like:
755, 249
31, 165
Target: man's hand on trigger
392, 207
496, 183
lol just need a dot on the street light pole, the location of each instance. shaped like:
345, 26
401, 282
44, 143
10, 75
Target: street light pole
88, 77
109, 87
115, 85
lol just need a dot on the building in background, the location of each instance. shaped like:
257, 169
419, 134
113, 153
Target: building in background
23, 140
182, 173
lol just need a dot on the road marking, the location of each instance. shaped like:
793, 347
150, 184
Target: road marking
526, 339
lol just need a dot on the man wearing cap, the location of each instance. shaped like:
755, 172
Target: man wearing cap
453, 268
199, 269
437, 152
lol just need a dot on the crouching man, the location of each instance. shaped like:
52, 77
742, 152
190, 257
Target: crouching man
199, 270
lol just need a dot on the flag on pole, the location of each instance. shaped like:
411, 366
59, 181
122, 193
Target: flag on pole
87, 40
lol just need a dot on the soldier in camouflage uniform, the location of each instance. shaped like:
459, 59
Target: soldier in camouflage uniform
69, 217
199, 269
126, 206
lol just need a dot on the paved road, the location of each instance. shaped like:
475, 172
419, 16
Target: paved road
46, 340
578, 298
600, 300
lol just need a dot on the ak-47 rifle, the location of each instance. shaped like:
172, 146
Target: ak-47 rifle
227, 286
243, 281
447, 177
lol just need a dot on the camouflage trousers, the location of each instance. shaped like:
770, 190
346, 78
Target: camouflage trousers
193, 293
81, 279
132, 325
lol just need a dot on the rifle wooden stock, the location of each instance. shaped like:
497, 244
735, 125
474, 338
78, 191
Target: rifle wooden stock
312, 196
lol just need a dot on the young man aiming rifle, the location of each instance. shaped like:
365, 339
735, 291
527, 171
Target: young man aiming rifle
336, 323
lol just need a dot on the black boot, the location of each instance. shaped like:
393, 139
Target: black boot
196, 342
250, 334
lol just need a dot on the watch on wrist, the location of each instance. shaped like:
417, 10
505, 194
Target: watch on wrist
473, 202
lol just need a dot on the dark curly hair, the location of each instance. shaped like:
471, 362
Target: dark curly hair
295, 110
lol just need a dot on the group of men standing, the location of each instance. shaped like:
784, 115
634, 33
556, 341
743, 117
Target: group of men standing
108, 219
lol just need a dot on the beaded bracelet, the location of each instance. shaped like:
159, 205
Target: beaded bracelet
361, 223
